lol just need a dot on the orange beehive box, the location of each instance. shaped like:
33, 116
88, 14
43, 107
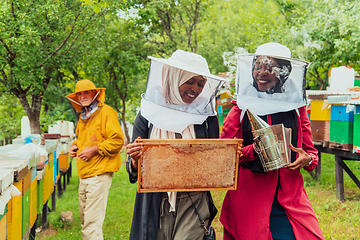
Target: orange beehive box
188, 165
64, 162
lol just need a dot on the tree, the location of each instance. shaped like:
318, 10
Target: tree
119, 63
327, 34
37, 38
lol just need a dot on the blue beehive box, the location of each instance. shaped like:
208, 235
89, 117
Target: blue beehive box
342, 113
56, 166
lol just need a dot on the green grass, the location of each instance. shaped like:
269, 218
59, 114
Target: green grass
337, 220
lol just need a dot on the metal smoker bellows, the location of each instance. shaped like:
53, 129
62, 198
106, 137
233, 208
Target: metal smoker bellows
266, 144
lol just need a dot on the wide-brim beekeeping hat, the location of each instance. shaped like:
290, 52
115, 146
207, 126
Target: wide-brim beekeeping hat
277, 50
85, 85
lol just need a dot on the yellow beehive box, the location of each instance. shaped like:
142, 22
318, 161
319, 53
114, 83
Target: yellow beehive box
48, 188
33, 202
46, 184
15, 215
320, 110
64, 162
3, 223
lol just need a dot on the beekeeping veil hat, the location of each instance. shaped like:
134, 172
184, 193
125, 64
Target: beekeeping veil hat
254, 89
162, 103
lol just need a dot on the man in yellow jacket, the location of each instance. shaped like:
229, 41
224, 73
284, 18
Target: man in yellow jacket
97, 148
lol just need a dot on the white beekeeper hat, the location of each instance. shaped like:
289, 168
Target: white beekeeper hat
188, 61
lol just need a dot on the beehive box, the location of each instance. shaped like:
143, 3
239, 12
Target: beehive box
188, 165
221, 120
341, 132
40, 195
14, 227
64, 162
33, 202
320, 110
26, 214
48, 187
56, 167
50, 160
320, 131
3, 223
356, 130
341, 113
26, 182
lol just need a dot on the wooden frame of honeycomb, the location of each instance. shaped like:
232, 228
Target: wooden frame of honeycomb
171, 165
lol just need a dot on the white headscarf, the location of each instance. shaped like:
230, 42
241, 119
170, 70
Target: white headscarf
172, 79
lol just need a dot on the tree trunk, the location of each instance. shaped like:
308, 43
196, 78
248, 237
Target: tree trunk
126, 130
35, 127
33, 111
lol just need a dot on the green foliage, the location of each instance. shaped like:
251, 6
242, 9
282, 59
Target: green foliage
36, 39
45, 47
171, 24
327, 34
98, 4
55, 106
11, 113
236, 23
119, 63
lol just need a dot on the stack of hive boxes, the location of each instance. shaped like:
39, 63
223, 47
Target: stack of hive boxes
18, 216
341, 127
223, 106
320, 120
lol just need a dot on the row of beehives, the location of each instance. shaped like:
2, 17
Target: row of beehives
27, 181
335, 119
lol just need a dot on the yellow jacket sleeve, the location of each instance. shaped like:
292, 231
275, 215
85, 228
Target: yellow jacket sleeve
114, 137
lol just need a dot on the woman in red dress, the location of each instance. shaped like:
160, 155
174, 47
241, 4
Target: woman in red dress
274, 204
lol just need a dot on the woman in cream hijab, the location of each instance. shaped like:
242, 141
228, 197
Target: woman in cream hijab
160, 216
